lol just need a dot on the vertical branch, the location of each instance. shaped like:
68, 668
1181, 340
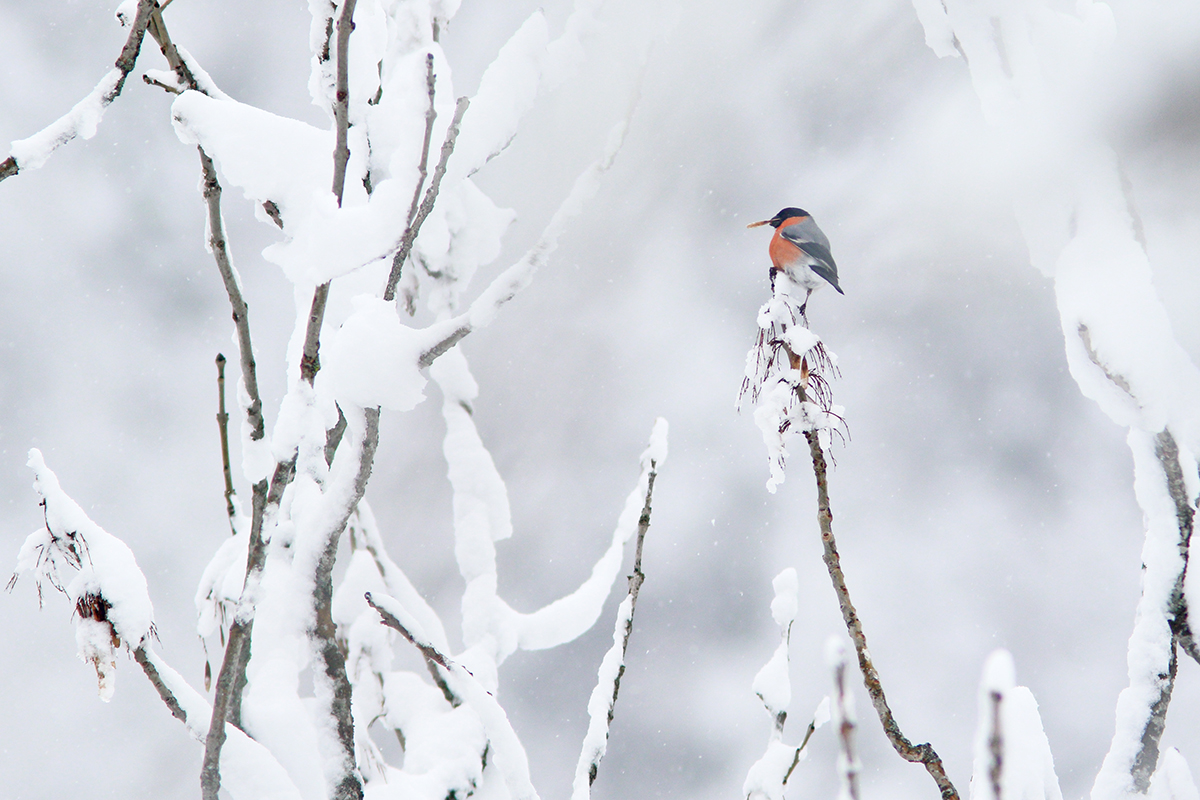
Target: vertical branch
223, 424
844, 718
231, 680
430, 116
996, 746
923, 753
341, 105
310, 361
324, 634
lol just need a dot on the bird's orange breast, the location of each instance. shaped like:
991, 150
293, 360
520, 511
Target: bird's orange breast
782, 251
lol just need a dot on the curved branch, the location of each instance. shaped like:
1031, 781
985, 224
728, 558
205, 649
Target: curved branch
922, 753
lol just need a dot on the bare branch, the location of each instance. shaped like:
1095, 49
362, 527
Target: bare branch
310, 360
82, 119
923, 753
223, 425
341, 105
156, 681
812, 727
231, 679
233, 288
414, 226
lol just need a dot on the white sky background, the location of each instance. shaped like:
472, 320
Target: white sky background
981, 501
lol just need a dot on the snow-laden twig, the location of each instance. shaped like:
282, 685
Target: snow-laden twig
108, 590
507, 284
251, 772
510, 754
413, 228
84, 118
608, 683
310, 362
769, 775
922, 753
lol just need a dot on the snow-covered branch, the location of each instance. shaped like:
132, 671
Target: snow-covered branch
84, 118
1078, 219
769, 775
608, 683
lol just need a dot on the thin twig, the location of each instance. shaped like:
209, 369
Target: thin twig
428, 650
844, 716
430, 116
124, 64
223, 425
923, 753
231, 680
414, 227
996, 747
812, 727
341, 105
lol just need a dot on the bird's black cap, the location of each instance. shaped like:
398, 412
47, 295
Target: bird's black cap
787, 213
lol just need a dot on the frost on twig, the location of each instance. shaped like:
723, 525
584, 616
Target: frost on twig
84, 118
770, 774
107, 589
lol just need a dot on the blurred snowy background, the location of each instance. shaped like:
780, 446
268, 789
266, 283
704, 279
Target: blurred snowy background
980, 502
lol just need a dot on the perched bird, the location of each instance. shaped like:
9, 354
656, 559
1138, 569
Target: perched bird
800, 250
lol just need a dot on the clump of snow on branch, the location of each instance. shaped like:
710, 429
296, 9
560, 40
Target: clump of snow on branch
768, 776
108, 589
1173, 779
786, 376
1012, 754
372, 359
